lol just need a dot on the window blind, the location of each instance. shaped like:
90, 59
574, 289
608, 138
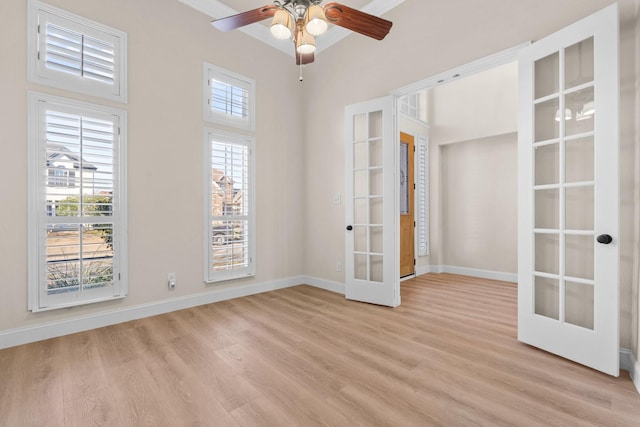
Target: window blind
422, 154
78, 54
79, 148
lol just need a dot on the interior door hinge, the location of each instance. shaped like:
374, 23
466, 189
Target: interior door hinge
414, 224
414, 261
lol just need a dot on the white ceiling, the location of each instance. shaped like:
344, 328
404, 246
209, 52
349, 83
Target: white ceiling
221, 8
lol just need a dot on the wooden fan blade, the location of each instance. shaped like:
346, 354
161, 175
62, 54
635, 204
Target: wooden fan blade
304, 58
354, 20
245, 18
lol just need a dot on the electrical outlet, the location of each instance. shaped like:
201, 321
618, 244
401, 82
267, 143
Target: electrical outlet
171, 279
338, 266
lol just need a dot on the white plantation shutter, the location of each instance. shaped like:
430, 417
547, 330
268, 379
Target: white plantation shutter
422, 159
77, 213
80, 55
63, 49
73, 138
229, 216
229, 98
76, 54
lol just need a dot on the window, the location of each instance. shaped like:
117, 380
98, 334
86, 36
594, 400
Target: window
229, 208
228, 98
60, 176
74, 53
77, 212
414, 105
422, 163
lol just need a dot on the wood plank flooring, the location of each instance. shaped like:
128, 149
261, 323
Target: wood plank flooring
448, 356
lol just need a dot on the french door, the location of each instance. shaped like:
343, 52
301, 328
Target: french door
568, 193
371, 242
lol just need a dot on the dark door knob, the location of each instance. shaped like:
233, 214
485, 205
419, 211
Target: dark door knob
605, 239
349, 227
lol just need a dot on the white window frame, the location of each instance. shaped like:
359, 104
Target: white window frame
211, 73
38, 216
211, 276
38, 15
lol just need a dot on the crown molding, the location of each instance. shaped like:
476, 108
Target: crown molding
216, 10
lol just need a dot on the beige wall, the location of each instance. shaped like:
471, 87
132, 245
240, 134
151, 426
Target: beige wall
635, 300
479, 203
629, 207
481, 108
476, 106
168, 43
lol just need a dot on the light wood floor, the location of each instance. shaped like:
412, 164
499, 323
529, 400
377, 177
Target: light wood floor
303, 356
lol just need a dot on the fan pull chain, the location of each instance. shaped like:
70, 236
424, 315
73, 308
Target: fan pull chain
300, 78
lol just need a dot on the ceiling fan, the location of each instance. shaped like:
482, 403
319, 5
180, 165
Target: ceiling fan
303, 20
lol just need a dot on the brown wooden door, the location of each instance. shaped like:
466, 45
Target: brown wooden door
407, 218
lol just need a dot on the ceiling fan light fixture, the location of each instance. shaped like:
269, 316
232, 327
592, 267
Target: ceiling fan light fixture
316, 20
282, 25
302, 20
305, 42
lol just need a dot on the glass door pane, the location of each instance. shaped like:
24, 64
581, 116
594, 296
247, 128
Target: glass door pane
368, 192
563, 189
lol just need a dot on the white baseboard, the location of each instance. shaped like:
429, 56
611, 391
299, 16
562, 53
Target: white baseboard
25, 335
464, 271
424, 269
327, 285
629, 363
